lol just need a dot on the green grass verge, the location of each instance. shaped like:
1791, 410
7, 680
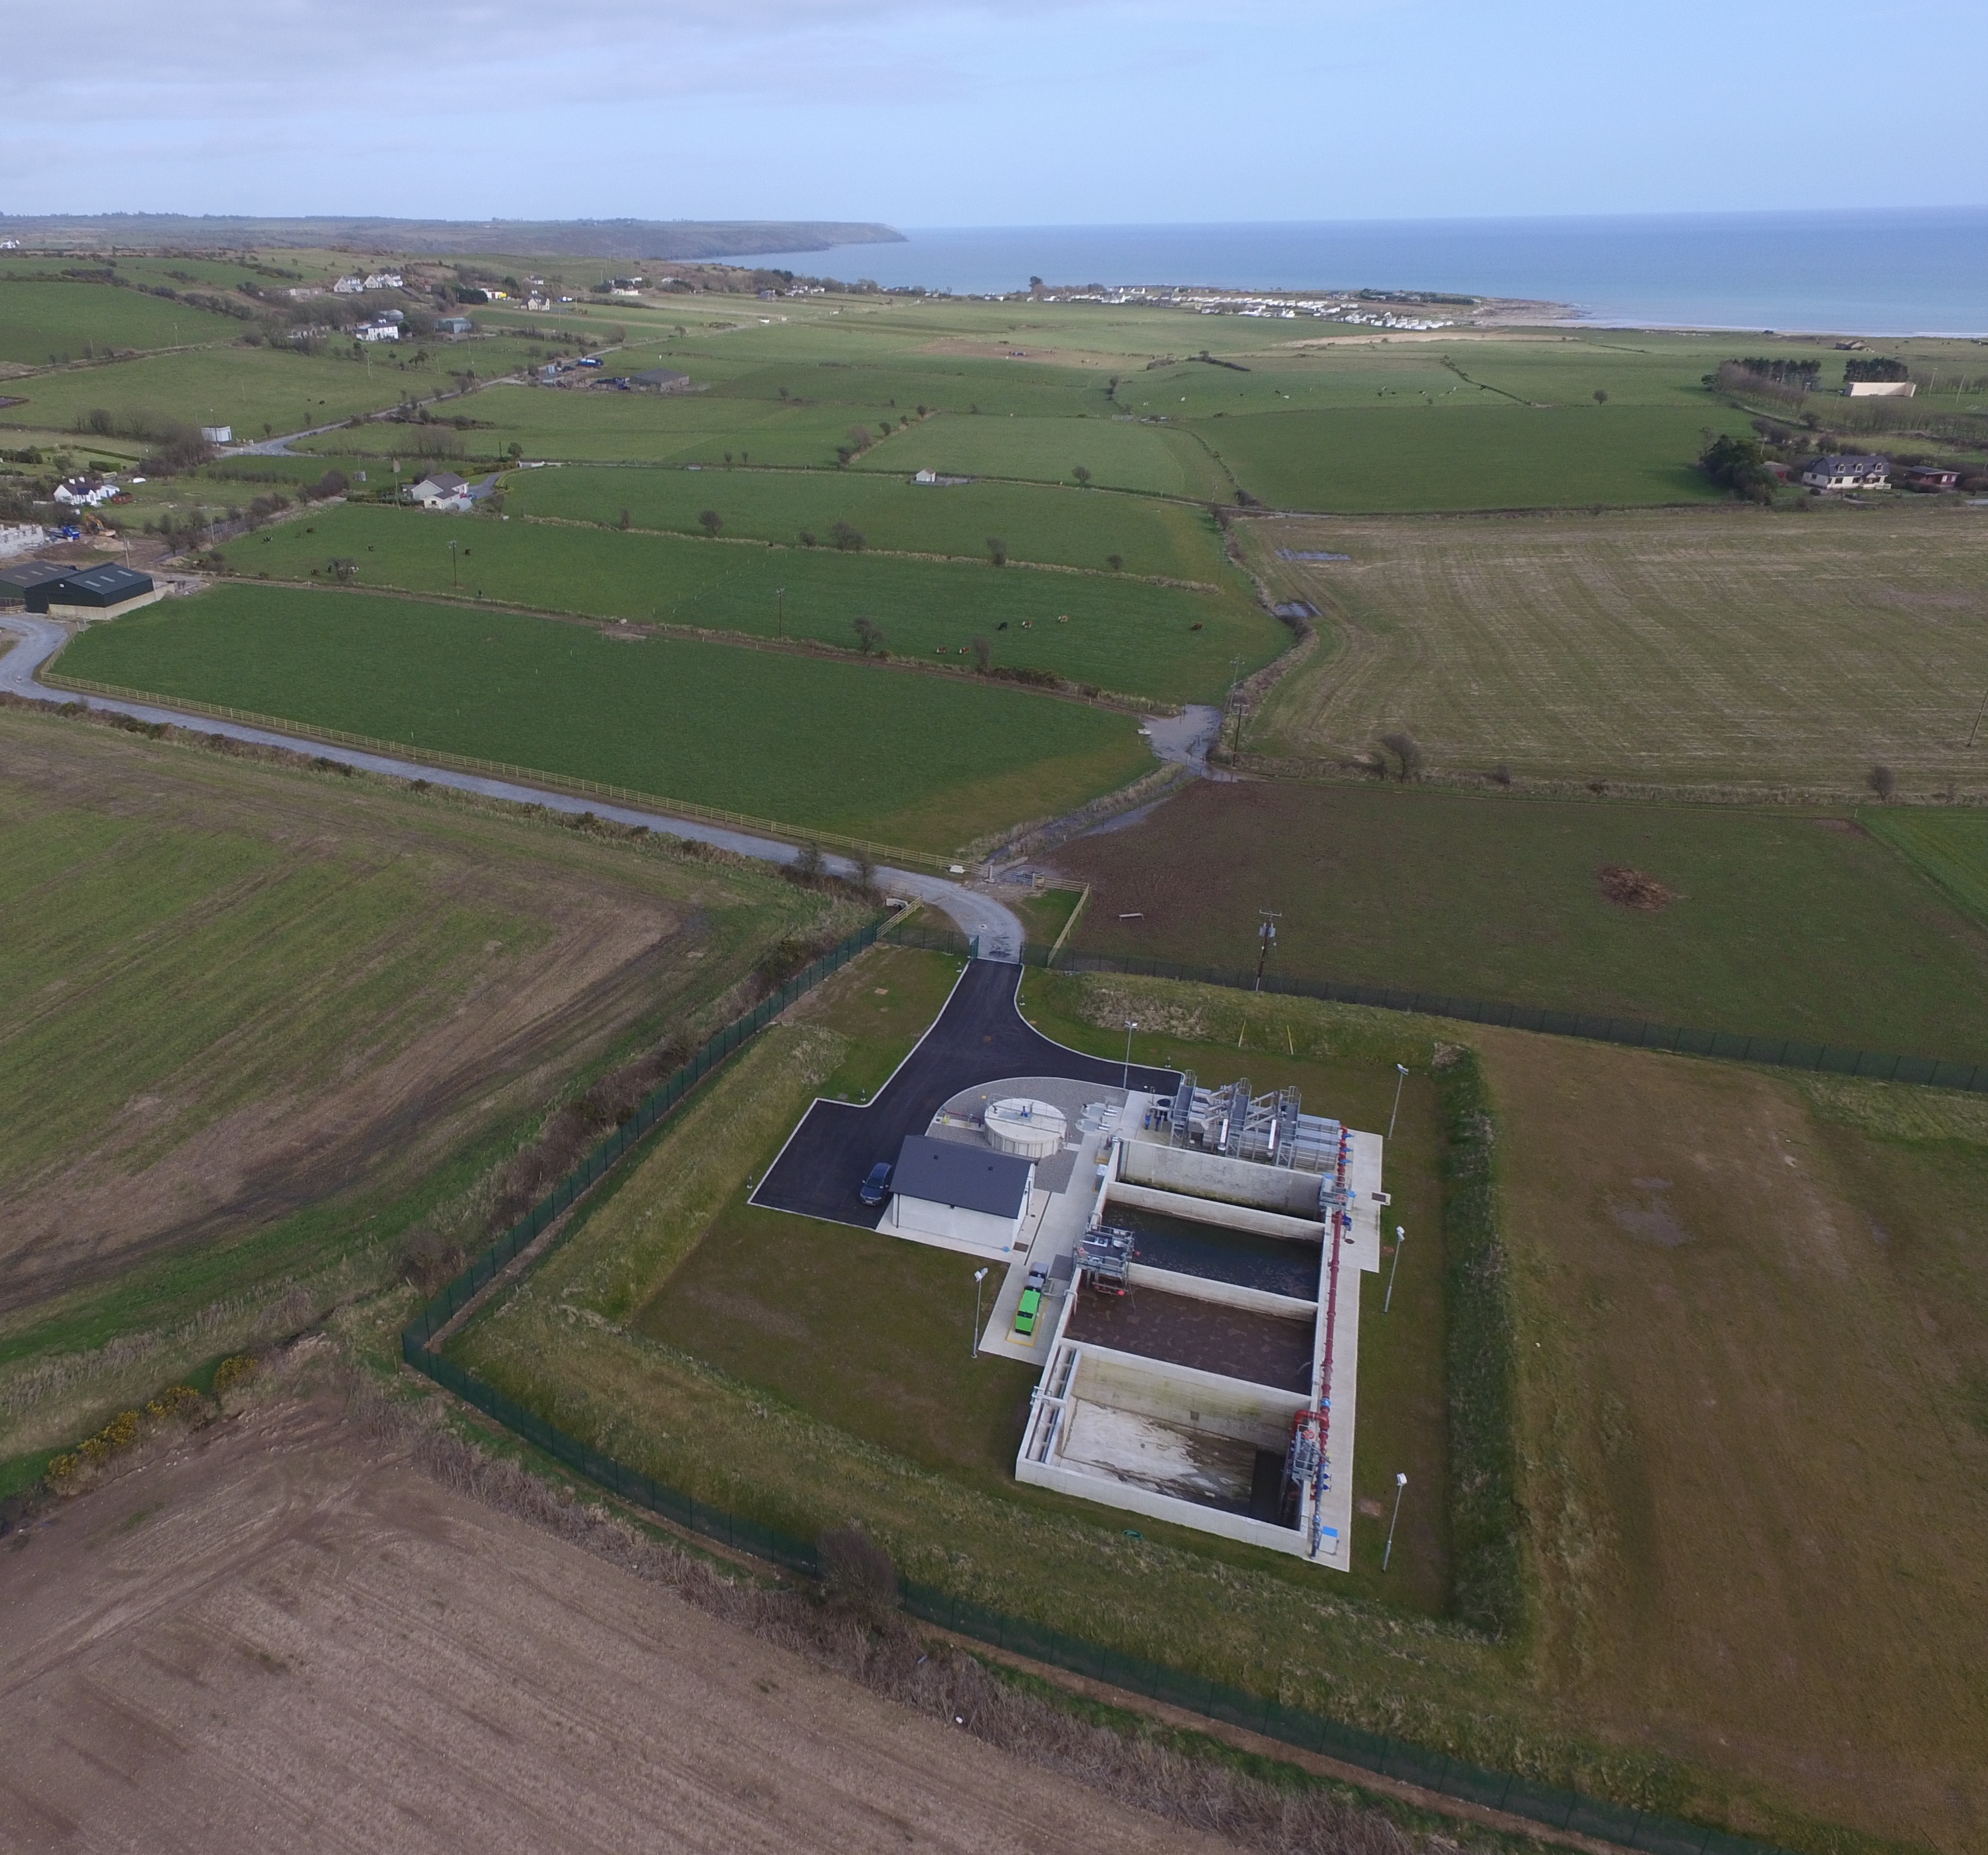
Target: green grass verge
927, 761
1162, 642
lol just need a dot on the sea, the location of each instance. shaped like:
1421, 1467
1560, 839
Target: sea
1865, 272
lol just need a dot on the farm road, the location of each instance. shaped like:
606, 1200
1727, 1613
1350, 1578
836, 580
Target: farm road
271, 1639
996, 927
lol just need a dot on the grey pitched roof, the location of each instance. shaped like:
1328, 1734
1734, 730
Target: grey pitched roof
24, 575
100, 585
969, 1178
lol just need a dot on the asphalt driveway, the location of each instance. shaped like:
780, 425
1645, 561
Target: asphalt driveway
979, 1037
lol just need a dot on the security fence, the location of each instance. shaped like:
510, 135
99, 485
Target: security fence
652, 1108
1779, 1052
1380, 1754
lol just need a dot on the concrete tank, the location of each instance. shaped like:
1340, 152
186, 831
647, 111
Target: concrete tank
1030, 1129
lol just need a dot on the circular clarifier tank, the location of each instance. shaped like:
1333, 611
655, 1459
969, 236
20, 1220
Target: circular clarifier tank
1030, 1129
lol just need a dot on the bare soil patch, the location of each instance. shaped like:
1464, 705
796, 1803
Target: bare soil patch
1628, 887
268, 1640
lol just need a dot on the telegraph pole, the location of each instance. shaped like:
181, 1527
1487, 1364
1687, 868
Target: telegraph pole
1266, 938
780, 593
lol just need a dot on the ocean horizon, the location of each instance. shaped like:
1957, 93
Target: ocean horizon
1908, 272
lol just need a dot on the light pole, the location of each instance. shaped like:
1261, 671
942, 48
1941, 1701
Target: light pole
1266, 938
973, 1351
1400, 1485
452, 579
1400, 1237
1125, 1080
1401, 1077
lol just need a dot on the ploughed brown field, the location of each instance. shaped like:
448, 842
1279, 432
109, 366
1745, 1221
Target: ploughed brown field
273, 1638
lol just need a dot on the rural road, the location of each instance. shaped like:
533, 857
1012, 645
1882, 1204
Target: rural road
996, 927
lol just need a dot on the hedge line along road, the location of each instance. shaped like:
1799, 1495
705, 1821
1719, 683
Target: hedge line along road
997, 928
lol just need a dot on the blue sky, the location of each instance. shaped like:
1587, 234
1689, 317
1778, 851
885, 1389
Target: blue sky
1031, 112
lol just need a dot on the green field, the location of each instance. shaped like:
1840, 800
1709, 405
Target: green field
1722, 648
44, 322
1118, 453
266, 1020
1949, 848
1471, 456
1123, 634
1786, 923
592, 423
845, 746
1066, 527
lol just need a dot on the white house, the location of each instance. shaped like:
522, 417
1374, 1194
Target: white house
438, 487
217, 435
377, 331
1852, 472
964, 1195
21, 537
381, 280
349, 286
86, 492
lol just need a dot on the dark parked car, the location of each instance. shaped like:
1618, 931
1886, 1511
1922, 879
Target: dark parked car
876, 1187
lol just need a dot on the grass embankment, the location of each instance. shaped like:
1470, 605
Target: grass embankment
266, 1020
1164, 642
1047, 913
1784, 924
1685, 1329
1714, 649
853, 1352
927, 761
1062, 526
